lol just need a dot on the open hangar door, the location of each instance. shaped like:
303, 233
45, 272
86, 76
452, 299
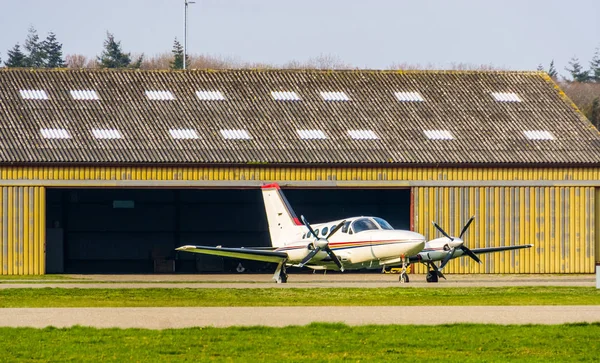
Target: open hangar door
137, 230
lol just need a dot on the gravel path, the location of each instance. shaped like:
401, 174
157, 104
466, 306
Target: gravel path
163, 318
241, 281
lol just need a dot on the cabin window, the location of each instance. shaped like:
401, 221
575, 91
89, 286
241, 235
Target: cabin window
383, 223
363, 224
345, 227
324, 231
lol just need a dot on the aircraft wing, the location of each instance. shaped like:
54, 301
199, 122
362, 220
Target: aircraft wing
498, 249
241, 253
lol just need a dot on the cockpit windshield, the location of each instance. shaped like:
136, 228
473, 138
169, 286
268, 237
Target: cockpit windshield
383, 223
363, 224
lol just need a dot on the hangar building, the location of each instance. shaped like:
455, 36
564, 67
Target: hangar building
109, 171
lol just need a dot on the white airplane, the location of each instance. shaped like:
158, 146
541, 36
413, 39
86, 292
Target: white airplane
349, 244
447, 247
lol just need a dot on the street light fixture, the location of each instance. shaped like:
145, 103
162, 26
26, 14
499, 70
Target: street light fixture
185, 32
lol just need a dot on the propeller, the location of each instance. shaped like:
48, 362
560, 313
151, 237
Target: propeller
322, 244
464, 248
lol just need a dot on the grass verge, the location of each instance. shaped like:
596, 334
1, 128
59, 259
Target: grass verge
393, 296
314, 343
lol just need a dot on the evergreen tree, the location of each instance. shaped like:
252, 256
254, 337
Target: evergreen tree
112, 56
177, 51
552, 70
16, 58
36, 56
595, 67
53, 50
137, 63
540, 67
576, 71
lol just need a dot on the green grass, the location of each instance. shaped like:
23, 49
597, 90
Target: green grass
314, 343
163, 297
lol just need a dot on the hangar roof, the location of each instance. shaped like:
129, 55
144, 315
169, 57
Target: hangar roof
290, 117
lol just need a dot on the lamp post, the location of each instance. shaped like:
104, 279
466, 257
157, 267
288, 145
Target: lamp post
185, 31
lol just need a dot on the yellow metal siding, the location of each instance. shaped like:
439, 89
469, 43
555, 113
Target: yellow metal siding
268, 173
22, 231
559, 221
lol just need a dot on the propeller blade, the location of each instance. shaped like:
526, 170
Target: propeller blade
309, 256
466, 226
308, 226
442, 231
335, 259
470, 254
337, 228
447, 258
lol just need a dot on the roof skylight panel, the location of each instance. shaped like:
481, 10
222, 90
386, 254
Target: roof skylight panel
107, 134
409, 97
311, 134
363, 135
237, 134
438, 134
285, 96
33, 94
160, 95
184, 134
335, 96
84, 95
210, 95
506, 97
539, 135
55, 134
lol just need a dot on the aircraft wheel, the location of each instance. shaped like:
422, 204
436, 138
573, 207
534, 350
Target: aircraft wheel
284, 278
404, 277
431, 276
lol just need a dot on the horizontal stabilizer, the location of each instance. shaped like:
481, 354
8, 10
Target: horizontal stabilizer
241, 253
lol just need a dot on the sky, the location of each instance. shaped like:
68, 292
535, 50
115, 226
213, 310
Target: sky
374, 34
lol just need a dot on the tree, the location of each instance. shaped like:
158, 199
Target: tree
576, 71
53, 50
112, 56
138, 62
595, 67
540, 67
16, 58
36, 56
595, 112
177, 51
552, 70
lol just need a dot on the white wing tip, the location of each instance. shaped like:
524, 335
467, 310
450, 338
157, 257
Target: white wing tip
183, 248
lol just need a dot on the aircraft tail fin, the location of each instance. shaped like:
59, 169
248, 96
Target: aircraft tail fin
280, 215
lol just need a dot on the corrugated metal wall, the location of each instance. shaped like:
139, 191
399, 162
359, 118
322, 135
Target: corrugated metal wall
275, 173
559, 221
22, 231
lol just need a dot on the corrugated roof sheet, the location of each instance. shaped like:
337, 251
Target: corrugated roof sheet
237, 120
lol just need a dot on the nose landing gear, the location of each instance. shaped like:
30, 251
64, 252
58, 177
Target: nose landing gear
403, 275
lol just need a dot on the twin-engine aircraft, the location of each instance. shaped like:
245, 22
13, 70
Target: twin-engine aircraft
350, 244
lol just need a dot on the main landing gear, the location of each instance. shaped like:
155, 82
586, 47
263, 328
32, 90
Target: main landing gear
433, 273
431, 276
280, 275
